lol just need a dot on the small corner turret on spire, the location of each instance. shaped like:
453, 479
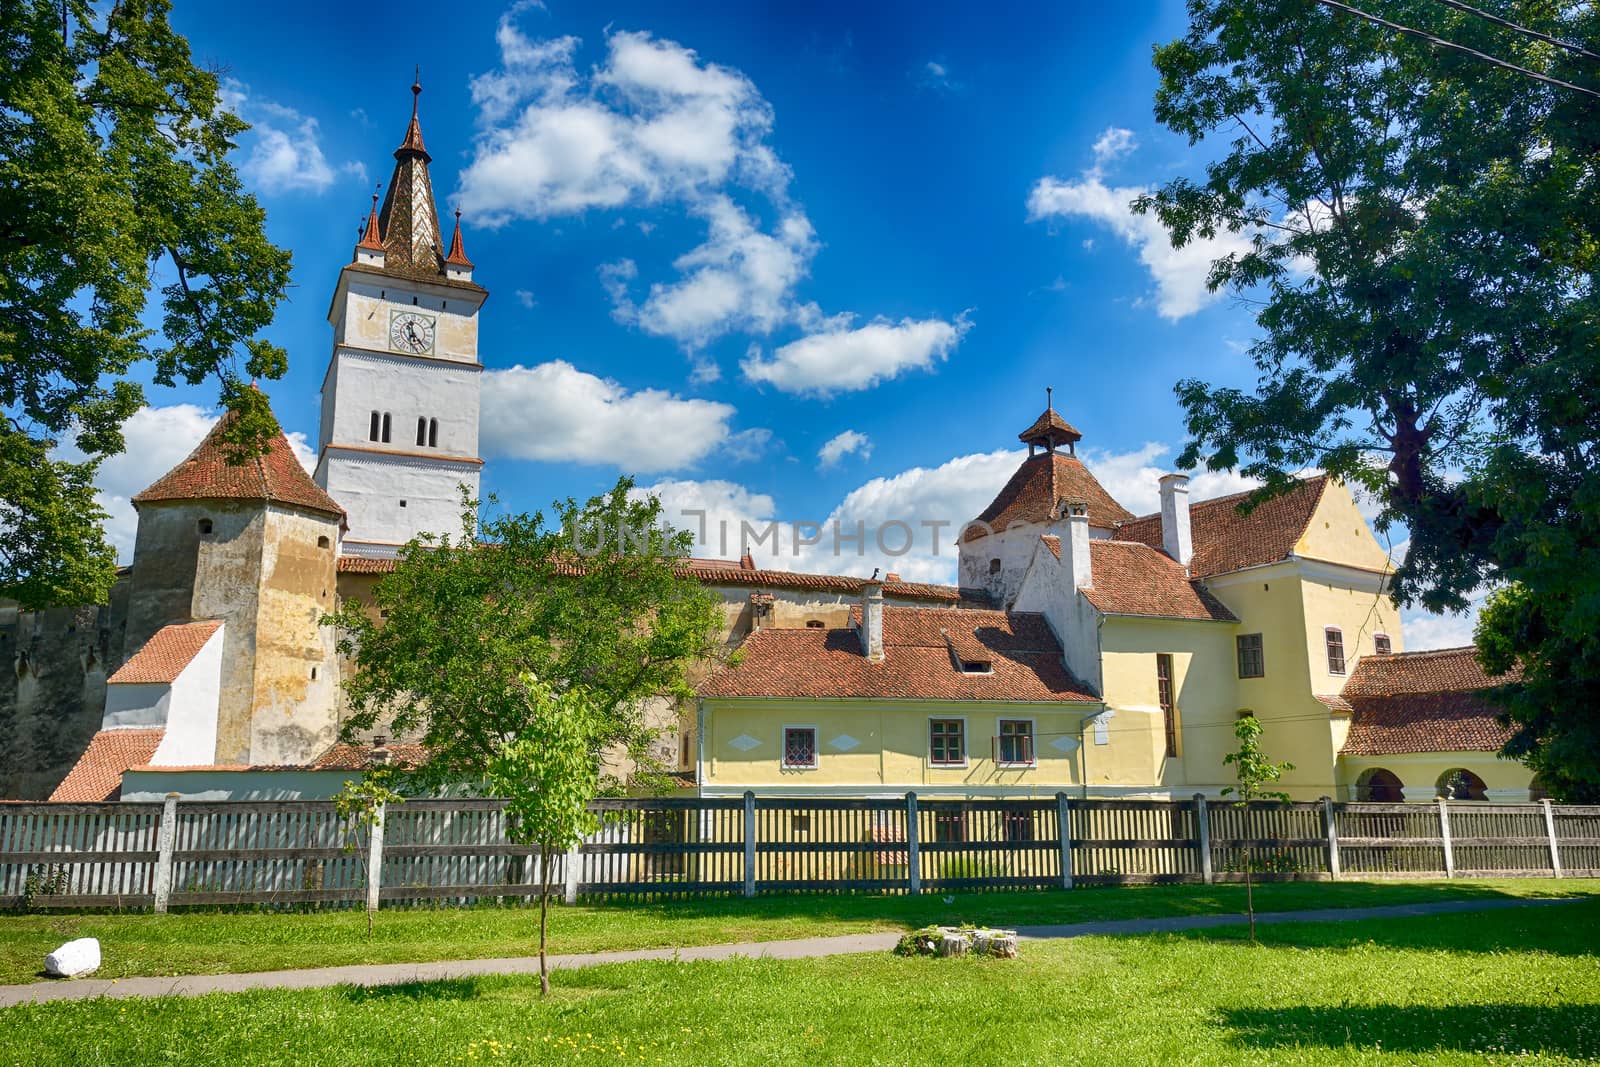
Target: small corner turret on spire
1049, 431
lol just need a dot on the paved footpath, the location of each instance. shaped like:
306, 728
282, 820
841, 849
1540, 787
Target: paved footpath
800, 948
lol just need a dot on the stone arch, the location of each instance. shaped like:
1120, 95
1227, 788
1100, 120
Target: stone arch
1458, 783
1378, 785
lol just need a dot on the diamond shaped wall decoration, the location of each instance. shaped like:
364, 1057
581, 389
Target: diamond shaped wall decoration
1064, 744
744, 742
844, 742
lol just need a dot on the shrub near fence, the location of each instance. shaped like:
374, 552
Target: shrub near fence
304, 853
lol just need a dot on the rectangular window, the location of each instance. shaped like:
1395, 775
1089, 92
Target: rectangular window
1017, 824
1380, 644
949, 825
1015, 742
1252, 663
947, 741
1169, 709
799, 746
376, 422
1335, 650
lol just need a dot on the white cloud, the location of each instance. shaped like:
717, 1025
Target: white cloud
840, 445
747, 446
555, 412
1179, 273
841, 357
525, 298
286, 154
935, 75
653, 125
1113, 144
157, 439
1424, 631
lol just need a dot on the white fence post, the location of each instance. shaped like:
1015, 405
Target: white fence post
166, 838
570, 871
1332, 829
1063, 813
1555, 847
1444, 834
913, 849
1202, 816
375, 859
749, 844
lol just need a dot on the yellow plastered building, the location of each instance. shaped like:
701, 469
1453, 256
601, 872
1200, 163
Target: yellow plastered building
1117, 653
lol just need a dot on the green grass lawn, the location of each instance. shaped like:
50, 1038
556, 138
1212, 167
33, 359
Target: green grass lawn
1497, 987
216, 942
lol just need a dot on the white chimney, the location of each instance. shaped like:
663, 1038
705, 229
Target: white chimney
1076, 545
872, 620
1175, 537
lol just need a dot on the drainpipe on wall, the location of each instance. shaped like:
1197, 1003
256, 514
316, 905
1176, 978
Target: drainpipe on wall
700, 748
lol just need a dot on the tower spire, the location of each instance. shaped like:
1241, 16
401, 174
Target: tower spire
408, 221
458, 254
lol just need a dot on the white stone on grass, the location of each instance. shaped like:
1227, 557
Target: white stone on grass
74, 959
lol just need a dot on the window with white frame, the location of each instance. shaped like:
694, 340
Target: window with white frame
1014, 743
947, 742
800, 746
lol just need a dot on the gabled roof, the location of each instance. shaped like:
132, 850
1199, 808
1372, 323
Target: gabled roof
97, 775
347, 757
207, 474
1435, 701
169, 650
1044, 480
1227, 540
1025, 661
1135, 579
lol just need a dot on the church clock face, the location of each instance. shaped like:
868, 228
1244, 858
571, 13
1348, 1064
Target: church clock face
411, 332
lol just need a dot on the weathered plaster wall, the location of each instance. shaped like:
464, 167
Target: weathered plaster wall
296, 679
363, 304
53, 670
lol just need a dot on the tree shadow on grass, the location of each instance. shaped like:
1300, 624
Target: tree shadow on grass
1563, 1030
1566, 929
442, 989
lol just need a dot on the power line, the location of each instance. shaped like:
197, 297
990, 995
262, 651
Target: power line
1508, 24
1440, 42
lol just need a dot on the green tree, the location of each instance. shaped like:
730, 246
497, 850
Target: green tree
1255, 772
443, 651
1423, 232
114, 179
547, 776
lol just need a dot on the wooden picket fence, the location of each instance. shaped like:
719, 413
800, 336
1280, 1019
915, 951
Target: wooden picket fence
281, 853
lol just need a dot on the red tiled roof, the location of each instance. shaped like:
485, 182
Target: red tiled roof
1436, 701
97, 775
733, 572
458, 253
1335, 703
1039, 485
1226, 539
1023, 653
1049, 428
276, 477
343, 757
1135, 579
169, 650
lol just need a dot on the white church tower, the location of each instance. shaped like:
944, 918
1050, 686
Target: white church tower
400, 400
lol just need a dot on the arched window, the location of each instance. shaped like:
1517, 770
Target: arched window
372, 435
433, 433
323, 542
422, 432
1379, 786
813, 624
385, 427
1458, 783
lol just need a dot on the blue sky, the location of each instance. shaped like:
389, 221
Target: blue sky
796, 265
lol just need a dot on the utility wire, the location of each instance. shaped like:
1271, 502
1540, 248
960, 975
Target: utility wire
1578, 50
1440, 42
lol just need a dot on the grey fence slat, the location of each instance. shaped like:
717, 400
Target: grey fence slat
303, 852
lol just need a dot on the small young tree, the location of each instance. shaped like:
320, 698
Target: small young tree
1255, 773
547, 775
